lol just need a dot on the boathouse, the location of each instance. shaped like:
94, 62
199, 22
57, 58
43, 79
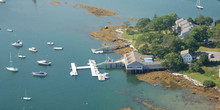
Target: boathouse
138, 63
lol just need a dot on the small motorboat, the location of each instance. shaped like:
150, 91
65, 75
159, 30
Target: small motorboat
58, 48
32, 49
50, 43
17, 44
41, 73
2, 1
21, 56
44, 62
9, 30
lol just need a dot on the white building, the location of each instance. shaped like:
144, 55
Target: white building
138, 63
186, 56
183, 27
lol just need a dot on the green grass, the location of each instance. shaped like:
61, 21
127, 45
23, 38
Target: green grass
130, 37
210, 73
201, 48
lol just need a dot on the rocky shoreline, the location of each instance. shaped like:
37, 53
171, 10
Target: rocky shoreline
112, 34
169, 80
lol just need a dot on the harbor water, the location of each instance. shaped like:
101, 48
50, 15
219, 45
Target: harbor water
35, 22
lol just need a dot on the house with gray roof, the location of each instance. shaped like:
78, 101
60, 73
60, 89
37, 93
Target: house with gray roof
183, 27
186, 56
138, 63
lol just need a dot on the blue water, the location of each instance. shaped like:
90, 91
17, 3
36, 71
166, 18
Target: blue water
37, 23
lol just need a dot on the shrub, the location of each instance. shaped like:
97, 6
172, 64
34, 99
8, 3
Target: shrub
208, 83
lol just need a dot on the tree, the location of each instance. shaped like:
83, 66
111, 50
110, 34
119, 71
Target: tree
190, 20
175, 44
208, 21
191, 43
173, 61
130, 31
163, 22
144, 49
216, 32
203, 59
217, 22
208, 83
199, 33
126, 24
194, 67
142, 22
201, 20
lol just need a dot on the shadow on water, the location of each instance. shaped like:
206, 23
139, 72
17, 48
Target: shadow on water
40, 77
35, 2
131, 78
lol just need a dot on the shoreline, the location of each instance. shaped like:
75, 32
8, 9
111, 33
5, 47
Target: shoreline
166, 79
170, 80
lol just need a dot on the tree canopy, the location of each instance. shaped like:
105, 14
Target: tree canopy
203, 59
200, 33
173, 61
202, 20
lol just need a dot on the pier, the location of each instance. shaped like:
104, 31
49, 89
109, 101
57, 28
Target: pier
94, 70
106, 49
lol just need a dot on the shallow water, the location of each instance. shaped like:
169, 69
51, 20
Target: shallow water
37, 23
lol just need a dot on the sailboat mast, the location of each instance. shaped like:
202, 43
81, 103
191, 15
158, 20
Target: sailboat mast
25, 94
10, 60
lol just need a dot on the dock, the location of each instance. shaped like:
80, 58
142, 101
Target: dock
73, 72
94, 70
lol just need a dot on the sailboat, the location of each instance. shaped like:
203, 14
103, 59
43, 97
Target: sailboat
21, 56
198, 5
26, 97
11, 68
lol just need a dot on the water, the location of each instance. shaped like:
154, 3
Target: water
37, 23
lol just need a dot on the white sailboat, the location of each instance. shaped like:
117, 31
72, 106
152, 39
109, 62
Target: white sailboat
11, 68
26, 97
198, 5
21, 56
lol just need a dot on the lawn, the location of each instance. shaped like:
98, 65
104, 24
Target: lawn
130, 37
210, 73
201, 48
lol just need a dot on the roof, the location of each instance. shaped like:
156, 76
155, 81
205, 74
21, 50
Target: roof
184, 25
184, 52
135, 56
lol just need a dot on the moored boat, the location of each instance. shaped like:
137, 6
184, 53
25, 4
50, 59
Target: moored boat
50, 43
21, 56
32, 49
2, 1
26, 97
41, 73
44, 62
17, 44
9, 30
198, 5
11, 68
58, 48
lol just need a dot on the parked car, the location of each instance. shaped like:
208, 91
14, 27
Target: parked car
209, 42
211, 55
